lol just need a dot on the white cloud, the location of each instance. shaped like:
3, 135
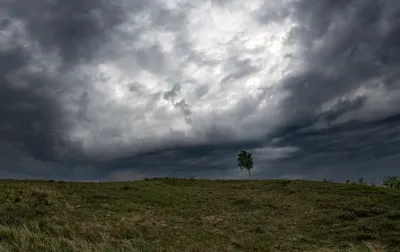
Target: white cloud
219, 40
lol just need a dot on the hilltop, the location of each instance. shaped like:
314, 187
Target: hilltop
198, 215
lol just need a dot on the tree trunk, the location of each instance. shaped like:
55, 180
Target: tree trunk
249, 173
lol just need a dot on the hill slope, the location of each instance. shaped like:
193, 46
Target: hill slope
197, 215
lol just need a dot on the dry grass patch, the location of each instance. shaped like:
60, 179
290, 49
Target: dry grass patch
198, 215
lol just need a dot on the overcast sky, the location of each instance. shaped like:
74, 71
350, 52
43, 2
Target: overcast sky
127, 89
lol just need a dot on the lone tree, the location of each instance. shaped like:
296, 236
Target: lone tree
245, 161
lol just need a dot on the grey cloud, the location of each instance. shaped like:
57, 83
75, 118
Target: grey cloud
344, 152
83, 103
344, 46
351, 44
30, 119
239, 68
172, 94
342, 106
138, 89
151, 58
167, 19
75, 28
135, 87
185, 108
348, 47
197, 159
271, 11
392, 80
32, 114
214, 131
201, 90
203, 160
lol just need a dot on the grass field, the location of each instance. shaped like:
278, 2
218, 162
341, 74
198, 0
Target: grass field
197, 215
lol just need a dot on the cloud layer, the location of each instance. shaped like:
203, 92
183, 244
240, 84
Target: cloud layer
128, 89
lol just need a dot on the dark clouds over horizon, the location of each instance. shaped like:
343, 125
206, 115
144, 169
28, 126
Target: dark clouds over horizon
121, 90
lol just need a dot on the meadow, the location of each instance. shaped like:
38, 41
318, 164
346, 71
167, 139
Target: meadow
197, 215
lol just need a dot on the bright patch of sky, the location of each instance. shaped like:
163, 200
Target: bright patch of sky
221, 49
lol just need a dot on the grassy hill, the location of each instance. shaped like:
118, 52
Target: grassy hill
197, 215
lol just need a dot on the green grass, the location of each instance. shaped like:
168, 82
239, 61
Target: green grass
197, 215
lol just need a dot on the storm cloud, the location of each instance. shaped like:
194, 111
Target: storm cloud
118, 90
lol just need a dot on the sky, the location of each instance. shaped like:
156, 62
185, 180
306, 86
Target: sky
101, 90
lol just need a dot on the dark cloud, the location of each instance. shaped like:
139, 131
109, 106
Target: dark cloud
338, 118
348, 151
74, 28
32, 118
352, 46
29, 120
198, 160
343, 52
83, 104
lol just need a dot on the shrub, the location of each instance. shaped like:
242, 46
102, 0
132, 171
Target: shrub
392, 182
